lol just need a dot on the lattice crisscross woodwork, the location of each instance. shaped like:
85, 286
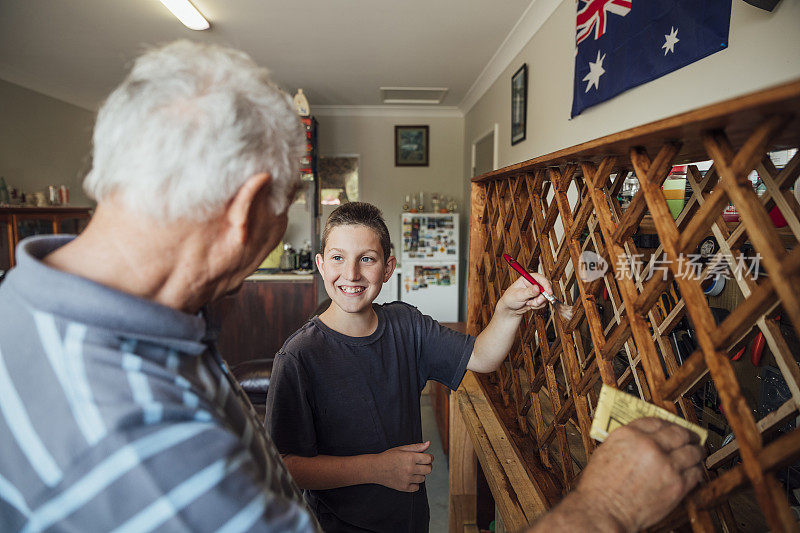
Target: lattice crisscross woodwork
632, 321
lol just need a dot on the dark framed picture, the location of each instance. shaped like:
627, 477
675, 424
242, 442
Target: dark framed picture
519, 104
411, 146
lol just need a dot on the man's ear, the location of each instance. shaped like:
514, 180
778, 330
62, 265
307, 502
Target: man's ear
250, 197
391, 263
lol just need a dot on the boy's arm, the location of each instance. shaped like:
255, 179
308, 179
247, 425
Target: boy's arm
402, 468
494, 342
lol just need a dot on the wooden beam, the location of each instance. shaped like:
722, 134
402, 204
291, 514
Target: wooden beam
463, 472
519, 499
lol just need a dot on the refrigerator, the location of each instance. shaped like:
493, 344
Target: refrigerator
429, 261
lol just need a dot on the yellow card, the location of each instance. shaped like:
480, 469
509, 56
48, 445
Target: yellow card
616, 408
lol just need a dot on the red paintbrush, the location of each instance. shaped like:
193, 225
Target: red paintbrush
561, 308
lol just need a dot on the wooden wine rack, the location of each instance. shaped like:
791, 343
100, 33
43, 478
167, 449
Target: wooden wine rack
548, 211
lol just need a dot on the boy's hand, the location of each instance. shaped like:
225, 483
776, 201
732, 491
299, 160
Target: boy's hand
404, 468
494, 342
522, 296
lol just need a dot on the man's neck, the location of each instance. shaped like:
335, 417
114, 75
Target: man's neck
361, 324
136, 255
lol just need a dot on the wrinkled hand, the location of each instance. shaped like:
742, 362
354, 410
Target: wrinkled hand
523, 296
642, 471
404, 468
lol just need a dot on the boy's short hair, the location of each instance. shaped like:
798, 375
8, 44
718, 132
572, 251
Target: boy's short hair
359, 214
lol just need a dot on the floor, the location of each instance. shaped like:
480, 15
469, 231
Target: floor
438, 482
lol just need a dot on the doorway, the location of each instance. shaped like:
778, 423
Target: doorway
484, 152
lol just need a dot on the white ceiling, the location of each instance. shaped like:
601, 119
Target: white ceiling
339, 51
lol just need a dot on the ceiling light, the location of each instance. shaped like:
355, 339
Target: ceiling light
187, 14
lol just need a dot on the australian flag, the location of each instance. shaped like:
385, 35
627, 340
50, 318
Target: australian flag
625, 43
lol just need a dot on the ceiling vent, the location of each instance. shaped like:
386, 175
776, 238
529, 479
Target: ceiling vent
413, 95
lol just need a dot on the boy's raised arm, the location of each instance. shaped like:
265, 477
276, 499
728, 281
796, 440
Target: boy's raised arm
494, 342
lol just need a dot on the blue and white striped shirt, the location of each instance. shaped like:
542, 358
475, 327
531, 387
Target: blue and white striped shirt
115, 416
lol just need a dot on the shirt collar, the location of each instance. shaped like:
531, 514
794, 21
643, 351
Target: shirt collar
79, 299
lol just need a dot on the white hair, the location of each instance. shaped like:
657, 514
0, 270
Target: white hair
188, 126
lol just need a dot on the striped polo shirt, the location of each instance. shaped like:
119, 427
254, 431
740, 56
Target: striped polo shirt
116, 416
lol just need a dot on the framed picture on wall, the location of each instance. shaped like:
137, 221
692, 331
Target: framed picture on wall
519, 104
411, 146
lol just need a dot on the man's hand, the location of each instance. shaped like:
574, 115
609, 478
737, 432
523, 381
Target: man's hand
633, 480
523, 296
404, 468
642, 472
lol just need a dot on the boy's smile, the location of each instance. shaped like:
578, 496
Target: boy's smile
354, 269
352, 290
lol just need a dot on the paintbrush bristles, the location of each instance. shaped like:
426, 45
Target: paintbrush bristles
566, 311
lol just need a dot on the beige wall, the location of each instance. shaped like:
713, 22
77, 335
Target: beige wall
383, 184
43, 141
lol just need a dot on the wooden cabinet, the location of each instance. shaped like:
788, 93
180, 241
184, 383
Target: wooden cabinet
254, 322
16, 223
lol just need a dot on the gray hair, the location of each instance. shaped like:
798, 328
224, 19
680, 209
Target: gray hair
187, 127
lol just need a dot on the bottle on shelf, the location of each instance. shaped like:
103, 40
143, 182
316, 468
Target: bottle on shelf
63, 195
289, 258
301, 104
52, 194
629, 188
305, 256
407, 204
435, 202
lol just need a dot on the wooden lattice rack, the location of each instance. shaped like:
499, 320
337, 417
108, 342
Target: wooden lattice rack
548, 211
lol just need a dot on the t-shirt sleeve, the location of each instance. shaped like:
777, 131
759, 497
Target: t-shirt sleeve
290, 419
444, 353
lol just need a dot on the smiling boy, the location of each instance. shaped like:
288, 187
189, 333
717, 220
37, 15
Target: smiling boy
343, 404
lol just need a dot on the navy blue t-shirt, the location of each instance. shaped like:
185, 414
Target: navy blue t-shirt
331, 394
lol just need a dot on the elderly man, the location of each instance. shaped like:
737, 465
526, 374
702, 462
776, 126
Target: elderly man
115, 411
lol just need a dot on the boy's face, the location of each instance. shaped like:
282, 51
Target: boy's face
353, 267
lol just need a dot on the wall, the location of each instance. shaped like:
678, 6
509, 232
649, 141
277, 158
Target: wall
383, 184
43, 141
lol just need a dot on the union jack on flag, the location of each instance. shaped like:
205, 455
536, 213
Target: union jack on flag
593, 16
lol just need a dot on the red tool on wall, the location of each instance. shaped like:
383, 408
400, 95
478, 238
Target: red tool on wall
758, 347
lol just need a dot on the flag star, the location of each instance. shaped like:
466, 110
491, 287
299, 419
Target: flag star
670, 40
595, 71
